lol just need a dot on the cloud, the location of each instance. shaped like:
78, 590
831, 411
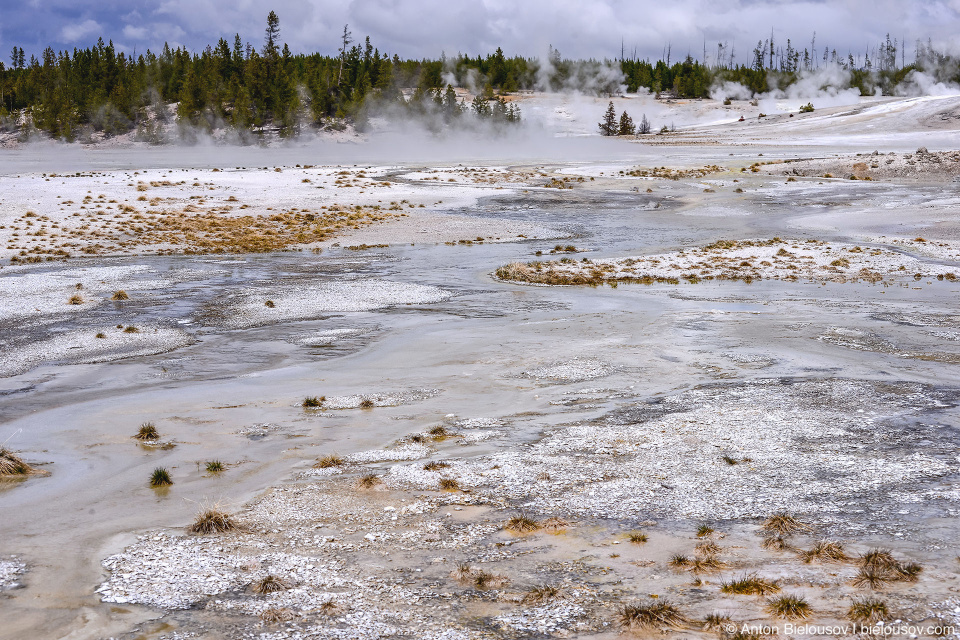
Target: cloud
81, 31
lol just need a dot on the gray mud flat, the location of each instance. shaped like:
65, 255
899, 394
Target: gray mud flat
488, 458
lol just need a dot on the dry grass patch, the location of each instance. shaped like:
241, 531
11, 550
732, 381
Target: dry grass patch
328, 461
825, 551
120, 295
369, 481
637, 537
790, 607
655, 614
313, 402
868, 611
448, 484
270, 584
147, 432
213, 520
12, 465
435, 466
541, 594
750, 585
521, 524
782, 524
277, 615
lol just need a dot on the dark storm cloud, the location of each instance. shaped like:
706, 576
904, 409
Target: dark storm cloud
528, 27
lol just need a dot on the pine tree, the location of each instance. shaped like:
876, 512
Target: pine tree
609, 125
271, 35
627, 128
644, 127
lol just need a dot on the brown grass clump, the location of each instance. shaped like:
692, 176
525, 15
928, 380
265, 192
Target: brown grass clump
276, 614
329, 460
313, 402
826, 552
878, 559
330, 608
679, 561
704, 530
369, 481
707, 548
367, 403
636, 537
120, 295
521, 524
449, 484
716, 621
791, 607
751, 585
148, 431
541, 594
706, 564
270, 584
213, 520
554, 524
439, 432
654, 614
435, 466
483, 580
878, 567
776, 543
782, 524
160, 478
75, 299
867, 611
12, 465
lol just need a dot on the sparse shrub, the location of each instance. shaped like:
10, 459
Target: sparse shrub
439, 432
329, 460
639, 616
213, 520
807, 108
449, 484
367, 403
636, 537
312, 402
369, 481
867, 611
160, 478
147, 431
120, 295
215, 466
791, 607
751, 585
521, 524
270, 584
435, 466
11, 464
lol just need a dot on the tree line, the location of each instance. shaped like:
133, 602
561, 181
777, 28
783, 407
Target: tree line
270, 89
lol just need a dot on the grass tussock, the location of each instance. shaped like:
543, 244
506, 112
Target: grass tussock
716, 621
791, 607
541, 594
448, 484
707, 548
878, 567
75, 299
12, 465
478, 578
367, 403
147, 432
654, 614
270, 584
782, 524
750, 585
213, 520
439, 432
328, 461
554, 525
435, 466
521, 524
679, 561
120, 295
276, 615
776, 543
867, 611
215, 466
825, 551
637, 537
313, 402
704, 531
330, 608
160, 478
369, 481
706, 564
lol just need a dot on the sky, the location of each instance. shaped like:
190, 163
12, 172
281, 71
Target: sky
427, 28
